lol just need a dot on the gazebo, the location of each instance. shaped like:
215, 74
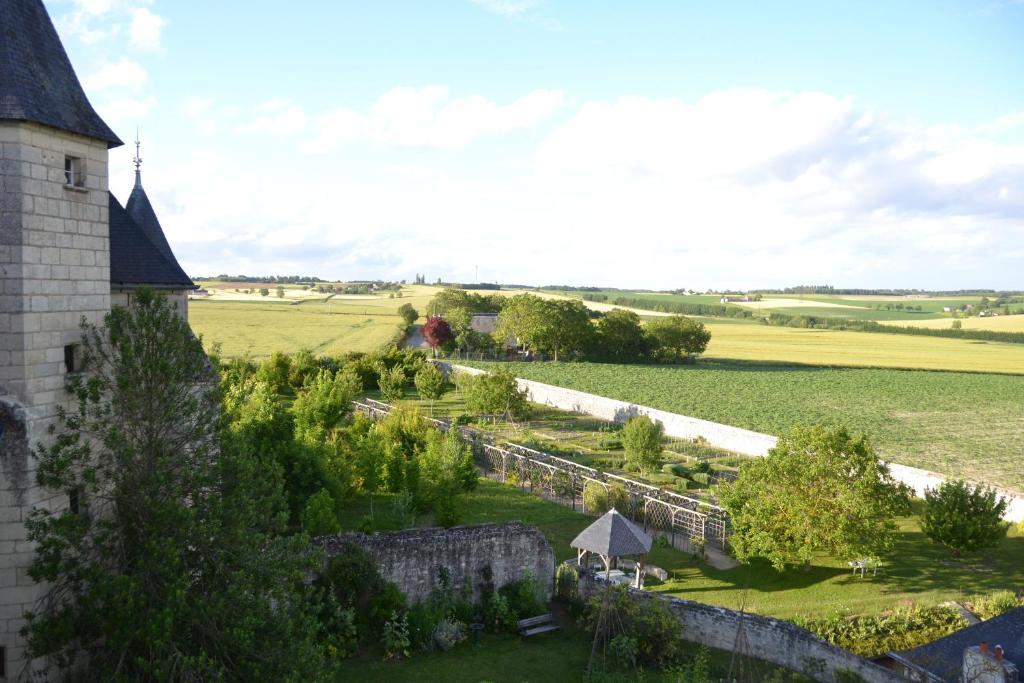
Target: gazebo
611, 537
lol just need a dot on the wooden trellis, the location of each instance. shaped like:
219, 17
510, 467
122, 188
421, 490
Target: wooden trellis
658, 510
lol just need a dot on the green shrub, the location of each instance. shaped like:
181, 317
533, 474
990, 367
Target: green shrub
657, 631
994, 604
567, 579
448, 634
870, 636
702, 478
676, 469
319, 517
392, 384
423, 619
612, 444
396, 637
964, 518
622, 651
498, 615
525, 596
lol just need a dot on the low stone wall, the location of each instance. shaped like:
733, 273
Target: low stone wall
771, 640
411, 559
718, 435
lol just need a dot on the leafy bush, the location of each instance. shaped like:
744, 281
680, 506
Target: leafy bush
612, 444
318, 517
702, 478
353, 579
622, 651
994, 604
642, 440
657, 631
448, 634
396, 637
498, 615
873, 635
567, 579
676, 469
275, 372
423, 619
525, 596
964, 518
496, 393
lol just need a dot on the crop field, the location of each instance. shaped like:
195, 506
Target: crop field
995, 323
758, 342
961, 424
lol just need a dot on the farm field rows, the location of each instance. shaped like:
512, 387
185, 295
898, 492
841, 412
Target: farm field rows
759, 342
961, 424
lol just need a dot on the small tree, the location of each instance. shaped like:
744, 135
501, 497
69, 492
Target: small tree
392, 383
641, 438
495, 393
437, 332
679, 337
264, 291
408, 313
430, 384
325, 404
964, 518
280, 291
818, 490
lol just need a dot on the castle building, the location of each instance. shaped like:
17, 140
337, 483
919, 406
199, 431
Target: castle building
68, 250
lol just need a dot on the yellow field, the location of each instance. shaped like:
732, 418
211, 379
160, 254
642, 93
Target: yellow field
998, 323
861, 349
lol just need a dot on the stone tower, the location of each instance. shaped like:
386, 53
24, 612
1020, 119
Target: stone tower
55, 265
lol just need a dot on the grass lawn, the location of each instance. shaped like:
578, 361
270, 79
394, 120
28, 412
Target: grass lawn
955, 423
917, 571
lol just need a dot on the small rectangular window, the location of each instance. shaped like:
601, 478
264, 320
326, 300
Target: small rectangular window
3, 661
74, 501
74, 171
69, 358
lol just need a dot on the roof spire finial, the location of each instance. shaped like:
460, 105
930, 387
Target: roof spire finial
138, 159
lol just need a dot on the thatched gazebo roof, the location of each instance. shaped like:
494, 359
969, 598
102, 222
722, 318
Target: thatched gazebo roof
613, 536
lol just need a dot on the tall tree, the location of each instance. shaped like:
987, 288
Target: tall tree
818, 490
430, 383
169, 566
408, 313
550, 326
621, 337
437, 332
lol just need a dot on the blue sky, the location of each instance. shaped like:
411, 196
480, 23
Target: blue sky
653, 144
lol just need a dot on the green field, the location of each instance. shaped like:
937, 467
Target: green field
962, 424
917, 570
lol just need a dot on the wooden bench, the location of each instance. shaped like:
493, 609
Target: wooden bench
536, 625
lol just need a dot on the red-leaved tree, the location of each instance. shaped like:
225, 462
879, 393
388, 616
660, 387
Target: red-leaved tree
437, 332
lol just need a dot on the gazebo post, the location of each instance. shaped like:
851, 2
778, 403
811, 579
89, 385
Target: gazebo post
639, 572
607, 567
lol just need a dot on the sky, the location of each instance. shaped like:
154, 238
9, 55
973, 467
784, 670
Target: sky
725, 145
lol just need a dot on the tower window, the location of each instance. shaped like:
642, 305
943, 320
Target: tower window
74, 171
75, 501
69, 358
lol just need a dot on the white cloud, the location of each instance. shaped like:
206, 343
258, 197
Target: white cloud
126, 110
122, 74
507, 8
429, 117
277, 117
146, 28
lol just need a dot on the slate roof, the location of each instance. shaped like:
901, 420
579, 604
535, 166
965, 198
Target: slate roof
135, 261
613, 536
944, 657
37, 81
142, 213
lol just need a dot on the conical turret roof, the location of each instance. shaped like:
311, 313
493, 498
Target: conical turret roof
37, 81
141, 211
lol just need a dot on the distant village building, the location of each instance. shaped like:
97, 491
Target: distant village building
484, 323
68, 250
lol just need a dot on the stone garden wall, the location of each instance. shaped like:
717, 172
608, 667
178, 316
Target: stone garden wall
411, 558
771, 640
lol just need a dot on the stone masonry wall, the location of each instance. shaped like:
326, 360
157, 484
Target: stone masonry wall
771, 640
411, 558
719, 435
55, 267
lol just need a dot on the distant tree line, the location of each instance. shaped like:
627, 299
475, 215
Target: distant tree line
290, 279
560, 329
829, 289
677, 307
809, 321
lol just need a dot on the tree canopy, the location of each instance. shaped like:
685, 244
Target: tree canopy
964, 518
641, 438
679, 337
818, 490
553, 326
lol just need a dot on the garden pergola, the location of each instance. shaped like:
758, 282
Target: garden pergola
613, 536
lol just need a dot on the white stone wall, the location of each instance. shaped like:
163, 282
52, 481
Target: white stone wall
55, 263
718, 435
178, 297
